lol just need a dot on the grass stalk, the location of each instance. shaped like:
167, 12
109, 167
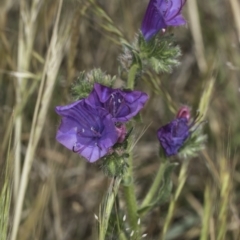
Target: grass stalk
106, 207
181, 182
155, 186
195, 27
53, 60
225, 190
36, 214
207, 214
17, 110
236, 14
158, 89
27, 29
6, 192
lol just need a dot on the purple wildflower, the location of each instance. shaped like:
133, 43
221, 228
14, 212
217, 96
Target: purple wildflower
160, 14
86, 130
173, 135
121, 104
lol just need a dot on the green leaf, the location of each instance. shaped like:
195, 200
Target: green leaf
85, 81
160, 53
164, 191
194, 144
166, 188
145, 209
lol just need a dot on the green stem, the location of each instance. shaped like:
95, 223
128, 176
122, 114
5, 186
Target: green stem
129, 193
155, 186
131, 76
130, 198
106, 207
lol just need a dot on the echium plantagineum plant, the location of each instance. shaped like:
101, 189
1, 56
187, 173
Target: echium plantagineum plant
93, 125
98, 124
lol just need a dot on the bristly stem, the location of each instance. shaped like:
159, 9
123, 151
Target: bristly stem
129, 191
132, 75
156, 184
130, 198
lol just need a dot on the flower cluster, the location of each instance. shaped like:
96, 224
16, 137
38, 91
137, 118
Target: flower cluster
173, 135
93, 125
160, 14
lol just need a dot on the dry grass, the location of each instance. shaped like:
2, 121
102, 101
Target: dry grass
43, 47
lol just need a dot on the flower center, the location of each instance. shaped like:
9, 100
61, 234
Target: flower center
95, 132
114, 103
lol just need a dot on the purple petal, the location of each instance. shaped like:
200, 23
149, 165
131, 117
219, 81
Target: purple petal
86, 130
67, 138
99, 95
177, 21
153, 20
173, 15
131, 103
173, 135
61, 110
160, 14
121, 104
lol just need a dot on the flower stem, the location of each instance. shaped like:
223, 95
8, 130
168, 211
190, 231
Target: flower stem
155, 186
130, 198
106, 207
132, 75
129, 193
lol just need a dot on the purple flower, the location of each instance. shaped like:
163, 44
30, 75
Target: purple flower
160, 14
86, 130
121, 104
173, 135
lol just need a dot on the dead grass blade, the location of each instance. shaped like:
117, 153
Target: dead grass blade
52, 64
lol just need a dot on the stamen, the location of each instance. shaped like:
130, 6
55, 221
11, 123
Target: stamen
73, 148
98, 134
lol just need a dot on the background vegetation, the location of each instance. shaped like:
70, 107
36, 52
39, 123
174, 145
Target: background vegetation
44, 45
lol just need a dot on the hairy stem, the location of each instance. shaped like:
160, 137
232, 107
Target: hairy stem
132, 75
129, 193
130, 198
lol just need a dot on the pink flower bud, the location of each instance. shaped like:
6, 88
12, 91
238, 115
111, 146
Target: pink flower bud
184, 112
